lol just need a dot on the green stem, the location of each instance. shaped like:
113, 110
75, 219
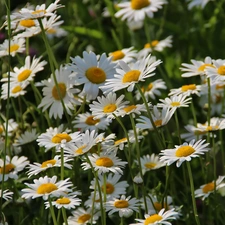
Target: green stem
193, 113
52, 211
121, 220
62, 164
64, 216
209, 101
178, 127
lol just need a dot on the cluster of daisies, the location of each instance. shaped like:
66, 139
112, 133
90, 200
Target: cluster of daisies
110, 111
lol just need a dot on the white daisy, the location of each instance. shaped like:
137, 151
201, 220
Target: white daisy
206, 189
217, 72
128, 55
58, 137
184, 152
86, 121
215, 124
6, 194
128, 75
17, 45
136, 10
12, 166
200, 3
152, 90
196, 68
16, 89
133, 109
12, 127
92, 71
155, 45
84, 144
105, 163
175, 101
125, 206
160, 118
36, 168
45, 187
107, 106
27, 137
161, 218
53, 99
186, 90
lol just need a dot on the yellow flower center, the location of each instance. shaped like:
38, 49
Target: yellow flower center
62, 90
109, 188
51, 161
208, 187
121, 204
24, 75
16, 89
221, 70
80, 150
158, 123
61, 136
202, 67
63, 201
7, 168
109, 108
131, 76
175, 104
90, 121
83, 218
150, 165
152, 44
211, 128
104, 161
150, 86
158, 206
219, 86
46, 188
1, 129
95, 75
51, 31
129, 108
184, 151
153, 218
14, 48
117, 55
120, 141
27, 23
39, 11
188, 87
139, 4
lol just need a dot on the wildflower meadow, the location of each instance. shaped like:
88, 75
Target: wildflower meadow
112, 112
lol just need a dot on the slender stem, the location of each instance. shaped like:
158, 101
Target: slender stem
62, 164
193, 113
64, 216
121, 220
52, 211
209, 101
178, 127
193, 193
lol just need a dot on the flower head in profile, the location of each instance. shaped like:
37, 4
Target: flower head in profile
184, 152
186, 90
128, 55
125, 206
91, 71
6, 194
55, 94
15, 90
45, 187
197, 3
163, 217
27, 137
128, 75
136, 10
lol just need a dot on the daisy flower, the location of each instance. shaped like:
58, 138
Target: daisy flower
152, 90
17, 45
124, 206
186, 90
45, 187
110, 185
217, 72
175, 101
39, 11
92, 71
84, 144
6, 194
196, 68
206, 189
133, 109
107, 106
150, 162
86, 121
15, 90
27, 137
128, 75
36, 168
184, 152
12, 166
136, 10
200, 3
58, 137
53, 99
127, 55
161, 218
215, 124
12, 127
105, 163
160, 118
155, 45
68, 202
82, 216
